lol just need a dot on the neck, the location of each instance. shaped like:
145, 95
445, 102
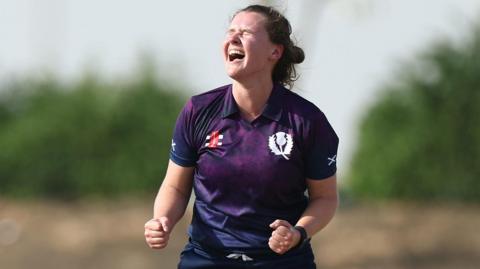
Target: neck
251, 97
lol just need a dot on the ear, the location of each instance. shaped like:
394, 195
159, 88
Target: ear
277, 52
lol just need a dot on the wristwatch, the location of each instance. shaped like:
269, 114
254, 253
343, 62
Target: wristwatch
303, 236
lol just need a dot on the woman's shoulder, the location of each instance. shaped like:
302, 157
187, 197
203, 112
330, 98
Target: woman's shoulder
301, 106
306, 111
211, 94
206, 98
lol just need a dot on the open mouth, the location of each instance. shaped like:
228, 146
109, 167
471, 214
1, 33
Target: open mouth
235, 55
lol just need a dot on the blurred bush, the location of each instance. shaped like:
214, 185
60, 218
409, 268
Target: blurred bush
89, 138
421, 140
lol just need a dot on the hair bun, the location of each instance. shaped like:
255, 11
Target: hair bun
297, 55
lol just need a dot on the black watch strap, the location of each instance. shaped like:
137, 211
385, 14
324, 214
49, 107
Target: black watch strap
303, 236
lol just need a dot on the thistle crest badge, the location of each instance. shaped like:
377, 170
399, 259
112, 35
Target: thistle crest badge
281, 144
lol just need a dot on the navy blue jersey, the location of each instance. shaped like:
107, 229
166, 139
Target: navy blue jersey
248, 174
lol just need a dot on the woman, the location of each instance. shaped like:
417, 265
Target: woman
250, 150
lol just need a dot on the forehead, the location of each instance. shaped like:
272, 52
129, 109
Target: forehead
248, 20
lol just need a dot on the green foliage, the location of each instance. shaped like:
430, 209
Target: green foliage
90, 138
421, 140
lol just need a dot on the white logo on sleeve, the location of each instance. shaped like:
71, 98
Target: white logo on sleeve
281, 144
173, 145
332, 160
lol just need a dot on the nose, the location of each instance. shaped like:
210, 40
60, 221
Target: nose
233, 38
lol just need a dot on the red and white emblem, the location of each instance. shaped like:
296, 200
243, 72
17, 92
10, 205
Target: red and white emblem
214, 139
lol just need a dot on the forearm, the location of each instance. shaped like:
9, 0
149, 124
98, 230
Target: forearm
171, 203
318, 214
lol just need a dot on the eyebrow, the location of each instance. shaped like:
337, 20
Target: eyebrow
230, 30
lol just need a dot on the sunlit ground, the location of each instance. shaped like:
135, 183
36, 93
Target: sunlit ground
109, 234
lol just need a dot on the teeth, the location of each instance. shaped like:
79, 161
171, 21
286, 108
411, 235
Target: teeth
234, 51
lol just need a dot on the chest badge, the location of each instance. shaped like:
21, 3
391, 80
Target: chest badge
214, 139
281, 144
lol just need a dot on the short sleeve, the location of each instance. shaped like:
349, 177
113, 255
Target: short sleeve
183, 151
321, 158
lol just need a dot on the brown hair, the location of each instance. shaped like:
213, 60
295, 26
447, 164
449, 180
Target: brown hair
279, 31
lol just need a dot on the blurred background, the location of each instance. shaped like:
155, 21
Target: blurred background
90, 90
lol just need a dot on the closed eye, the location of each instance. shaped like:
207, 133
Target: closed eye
242, 32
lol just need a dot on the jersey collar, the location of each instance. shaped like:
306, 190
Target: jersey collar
273, 107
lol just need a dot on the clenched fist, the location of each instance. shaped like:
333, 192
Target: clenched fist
284, 236
157, 232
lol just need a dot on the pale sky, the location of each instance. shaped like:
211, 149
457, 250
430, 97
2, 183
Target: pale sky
351, 46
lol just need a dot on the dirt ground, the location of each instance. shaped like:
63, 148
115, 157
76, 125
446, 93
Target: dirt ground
109, 234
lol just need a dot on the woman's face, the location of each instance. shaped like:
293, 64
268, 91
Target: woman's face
247, 49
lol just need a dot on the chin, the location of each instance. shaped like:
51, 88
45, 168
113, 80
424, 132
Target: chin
232, 72
233, 76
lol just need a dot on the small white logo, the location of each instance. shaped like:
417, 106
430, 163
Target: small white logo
173, 145
332, 160
235, 256
281, 144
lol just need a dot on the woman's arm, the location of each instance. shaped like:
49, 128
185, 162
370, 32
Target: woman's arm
172, 198
170, 204
323, 202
